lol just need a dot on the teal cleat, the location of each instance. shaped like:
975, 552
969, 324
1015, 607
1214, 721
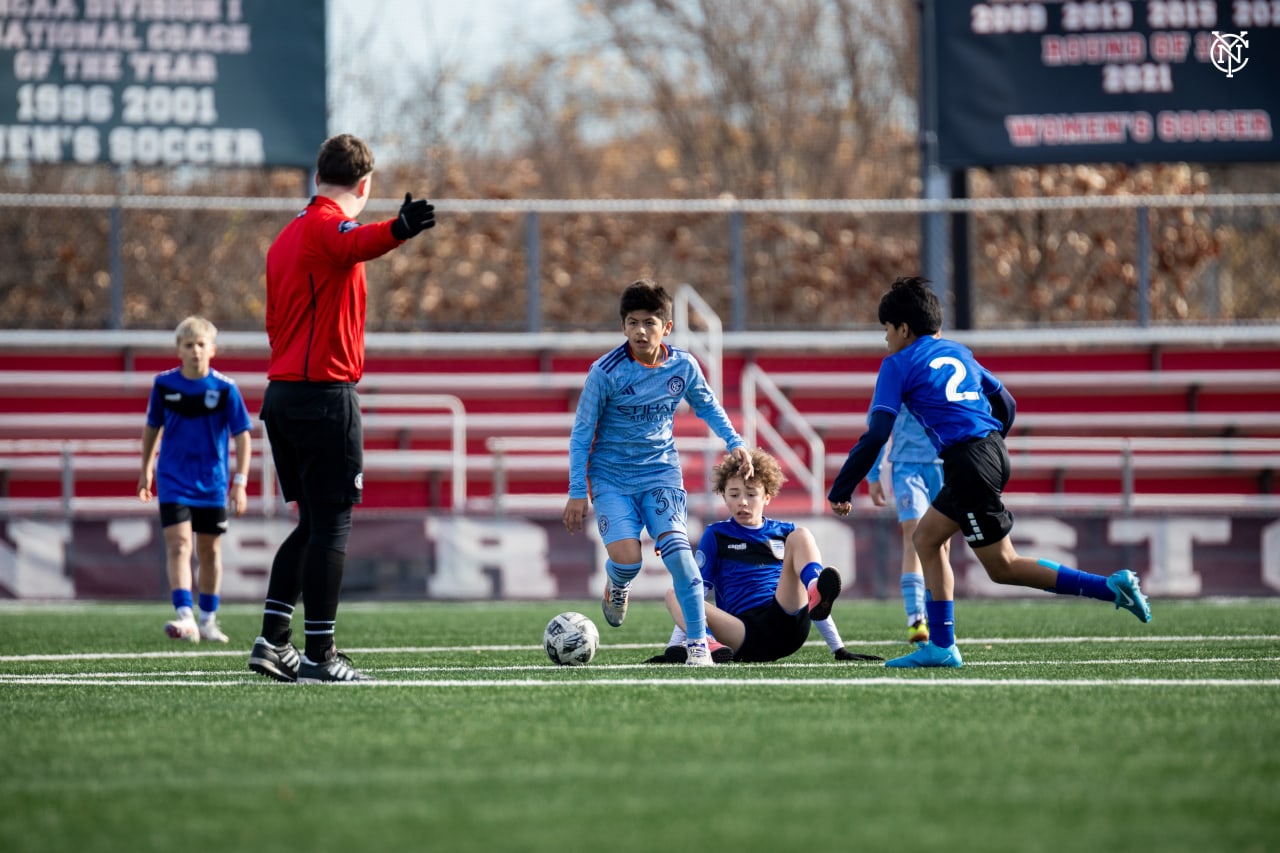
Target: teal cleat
929, 655
1124, 584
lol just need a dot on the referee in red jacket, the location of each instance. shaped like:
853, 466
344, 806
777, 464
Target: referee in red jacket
316, 293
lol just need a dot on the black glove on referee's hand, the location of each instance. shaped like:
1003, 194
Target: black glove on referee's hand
415, 217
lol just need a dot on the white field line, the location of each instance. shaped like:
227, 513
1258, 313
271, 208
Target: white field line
708, 682
655, 647
623, 667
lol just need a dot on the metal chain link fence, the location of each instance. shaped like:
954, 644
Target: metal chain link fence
137, 261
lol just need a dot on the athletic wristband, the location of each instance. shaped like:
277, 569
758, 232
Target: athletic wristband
240, 479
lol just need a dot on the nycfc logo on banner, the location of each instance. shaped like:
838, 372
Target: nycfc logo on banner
1227, 52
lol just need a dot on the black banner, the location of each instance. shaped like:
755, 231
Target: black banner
1192, 80
162, 82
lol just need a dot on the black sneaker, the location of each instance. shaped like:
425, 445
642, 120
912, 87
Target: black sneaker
278, 662
671, 654
334, 669
844, 654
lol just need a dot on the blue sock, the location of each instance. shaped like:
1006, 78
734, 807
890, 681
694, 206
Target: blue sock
181, 598
1074, 582
809, 573
208, 603
912, 585
687, 582
621, 573
942, 623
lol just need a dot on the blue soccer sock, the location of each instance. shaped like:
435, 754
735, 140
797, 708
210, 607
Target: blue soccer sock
1074, 582
687, 582
942, 623
810, 573
181, 599
208, 605
912, 584
621, 573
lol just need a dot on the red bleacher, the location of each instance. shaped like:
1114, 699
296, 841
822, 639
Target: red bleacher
1191, 419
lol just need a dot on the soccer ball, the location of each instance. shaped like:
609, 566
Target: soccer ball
571, 639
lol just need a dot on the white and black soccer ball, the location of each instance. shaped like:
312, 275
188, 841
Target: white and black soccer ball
571, 639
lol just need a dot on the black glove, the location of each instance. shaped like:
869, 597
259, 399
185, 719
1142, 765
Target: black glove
845, 654
415, 217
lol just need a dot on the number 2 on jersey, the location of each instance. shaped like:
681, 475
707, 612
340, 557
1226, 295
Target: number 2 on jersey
954, 394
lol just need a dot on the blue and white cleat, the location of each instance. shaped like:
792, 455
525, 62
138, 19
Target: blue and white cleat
1124, 584
929, 655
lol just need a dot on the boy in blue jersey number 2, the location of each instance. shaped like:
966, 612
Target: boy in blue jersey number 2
767, 575
622, 452
966, 412
193, 412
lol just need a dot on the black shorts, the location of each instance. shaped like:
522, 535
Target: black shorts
772, 633
974, 474
317, 440
209, 520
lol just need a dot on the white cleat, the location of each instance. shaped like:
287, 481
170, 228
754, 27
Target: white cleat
699, 653
211, 633
182, 629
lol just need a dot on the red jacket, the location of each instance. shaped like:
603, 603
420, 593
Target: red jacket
316, 293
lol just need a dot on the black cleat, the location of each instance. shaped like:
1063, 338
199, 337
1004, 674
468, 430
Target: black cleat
334, 669
823, 591
278, 662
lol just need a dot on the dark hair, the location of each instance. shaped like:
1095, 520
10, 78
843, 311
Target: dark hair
646, 295
344, 159
910, 301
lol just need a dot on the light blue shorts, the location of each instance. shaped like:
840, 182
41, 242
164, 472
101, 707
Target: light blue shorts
659, 511
915, 485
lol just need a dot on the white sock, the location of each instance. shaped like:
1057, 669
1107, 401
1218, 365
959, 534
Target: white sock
827, 628
185, 613
206, 618
677, 636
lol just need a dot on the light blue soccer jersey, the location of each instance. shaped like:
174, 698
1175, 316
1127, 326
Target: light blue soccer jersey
910, 444
943, 386
742, 564
199, 416
622, 438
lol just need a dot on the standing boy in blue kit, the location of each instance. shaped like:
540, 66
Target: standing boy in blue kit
917, 479
966, 412
193, 412
622, 453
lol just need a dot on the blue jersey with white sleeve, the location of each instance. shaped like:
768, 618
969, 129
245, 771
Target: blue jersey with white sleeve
622, 439
198, 418
943, 386
742, 564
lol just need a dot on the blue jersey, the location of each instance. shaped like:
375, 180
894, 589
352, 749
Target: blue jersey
622, 438
943, 386
198, 417
742, 564
910, 444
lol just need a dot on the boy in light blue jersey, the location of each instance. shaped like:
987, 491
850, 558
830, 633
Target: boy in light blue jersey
622, 453
966, 412
917, 479
193, 412
767, 575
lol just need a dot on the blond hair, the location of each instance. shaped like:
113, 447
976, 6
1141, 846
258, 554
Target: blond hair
195, 327
768, 473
